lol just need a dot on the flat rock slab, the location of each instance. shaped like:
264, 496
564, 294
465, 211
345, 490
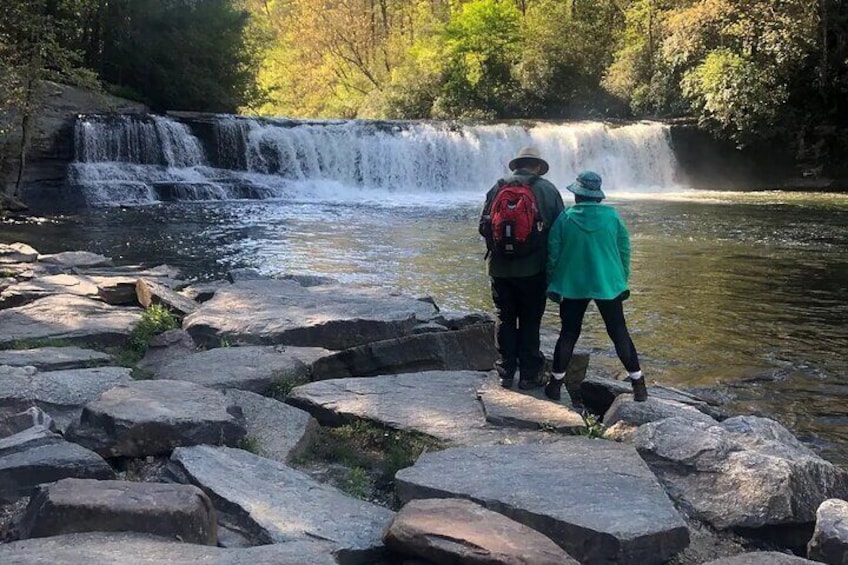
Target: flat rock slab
269, 502
153, 417
447, 531
254, 368
55, 358
141, 549
168, 346
30, 291
276, 430
31, 417
22, 471
150, 292
625, 409
17, 253
600, 392
79, 259
508, 408
596, 499
203, 292
762, 558
830, 538
61, 394
272, 312
471, 348
745, 472
73, 506
68, 317
441, 404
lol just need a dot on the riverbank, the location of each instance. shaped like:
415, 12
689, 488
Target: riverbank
234, 398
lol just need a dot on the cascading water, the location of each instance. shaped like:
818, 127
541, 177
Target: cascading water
139, 159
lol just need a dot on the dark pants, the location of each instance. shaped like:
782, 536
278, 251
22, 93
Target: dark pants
519, 304
571, 314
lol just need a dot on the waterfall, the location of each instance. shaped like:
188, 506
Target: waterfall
143, 159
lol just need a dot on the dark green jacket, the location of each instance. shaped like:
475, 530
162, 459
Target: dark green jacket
550, 205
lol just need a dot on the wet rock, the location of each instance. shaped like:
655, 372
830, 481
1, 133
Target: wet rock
150, 292
310, 280
762, 558
78, 259
625, 409
508, 408
17, 253
269, 312
68, 317
459, 531
457, 320
268, 502
73, 506
30, 291
746, 472
153, 417
441, 404
599, 394
166, 347
102, 548
830, 538
471, 348
29, 418
61, 394
595, 499
203, 292
45, 461
245, 274
54, 358
276, 430
253, 368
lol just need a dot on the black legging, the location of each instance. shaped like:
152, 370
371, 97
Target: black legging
571, 314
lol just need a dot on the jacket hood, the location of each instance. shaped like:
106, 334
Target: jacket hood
591, 216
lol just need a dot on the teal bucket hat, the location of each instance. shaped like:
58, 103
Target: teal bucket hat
588, 184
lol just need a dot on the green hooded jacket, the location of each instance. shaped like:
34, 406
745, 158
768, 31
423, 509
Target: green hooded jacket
550, 204
588, 253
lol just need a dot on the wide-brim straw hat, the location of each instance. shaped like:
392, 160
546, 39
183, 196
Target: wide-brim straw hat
528, 154
588, 184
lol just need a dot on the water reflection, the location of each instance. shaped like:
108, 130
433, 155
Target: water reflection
747, 290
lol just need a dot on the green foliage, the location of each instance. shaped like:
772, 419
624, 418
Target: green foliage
357, 483
154, 320
594, 427
282, 385
251, 444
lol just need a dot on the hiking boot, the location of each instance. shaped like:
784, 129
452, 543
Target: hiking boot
527, 384
553, 389
640, 389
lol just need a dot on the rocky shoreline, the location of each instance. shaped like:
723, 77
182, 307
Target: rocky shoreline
144, 419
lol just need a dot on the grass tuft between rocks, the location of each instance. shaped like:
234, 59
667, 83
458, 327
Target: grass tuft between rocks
282, 385
363, 457
594, 427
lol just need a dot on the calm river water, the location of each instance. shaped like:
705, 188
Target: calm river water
743, 293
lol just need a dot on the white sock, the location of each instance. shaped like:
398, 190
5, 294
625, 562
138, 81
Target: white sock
635, 376
558, 376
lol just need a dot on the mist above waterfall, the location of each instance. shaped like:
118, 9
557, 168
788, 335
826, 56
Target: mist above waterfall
147, 159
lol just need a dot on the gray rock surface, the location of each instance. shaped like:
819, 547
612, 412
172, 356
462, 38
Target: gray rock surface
203, 292
31, 290
448, 531
504, 407
270, 312
78, 259
54, 358
600, 392
745, 472
61, 394
150, 292
762, 558
441, 404
153, 417
117, 291
625, 409
277, 431
31, 417
245, 274
471, 348
254, 368
74, 506
23, 470
268, 502
168, 346
830, 538
27, 439
68, 317
17, 253
141, 549
596, 499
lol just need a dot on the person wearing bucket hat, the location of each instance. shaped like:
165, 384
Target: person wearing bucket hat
516, 218
589, 259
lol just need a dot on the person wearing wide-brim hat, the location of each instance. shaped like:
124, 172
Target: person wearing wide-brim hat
518, 279
589, 259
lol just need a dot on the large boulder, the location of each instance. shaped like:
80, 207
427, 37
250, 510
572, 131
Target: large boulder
448, 531
17, 253
254, 368
153, 417
599, 393
109, 548
271, 312
762, 558
830, 538
504, 407
625, 409
471, 348
268, 502
150, 292
31, 290
746, 472
54, 358
61, 394
76, 259
85, 505
68, 317
596, 499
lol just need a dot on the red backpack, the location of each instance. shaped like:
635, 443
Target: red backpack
513, 225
